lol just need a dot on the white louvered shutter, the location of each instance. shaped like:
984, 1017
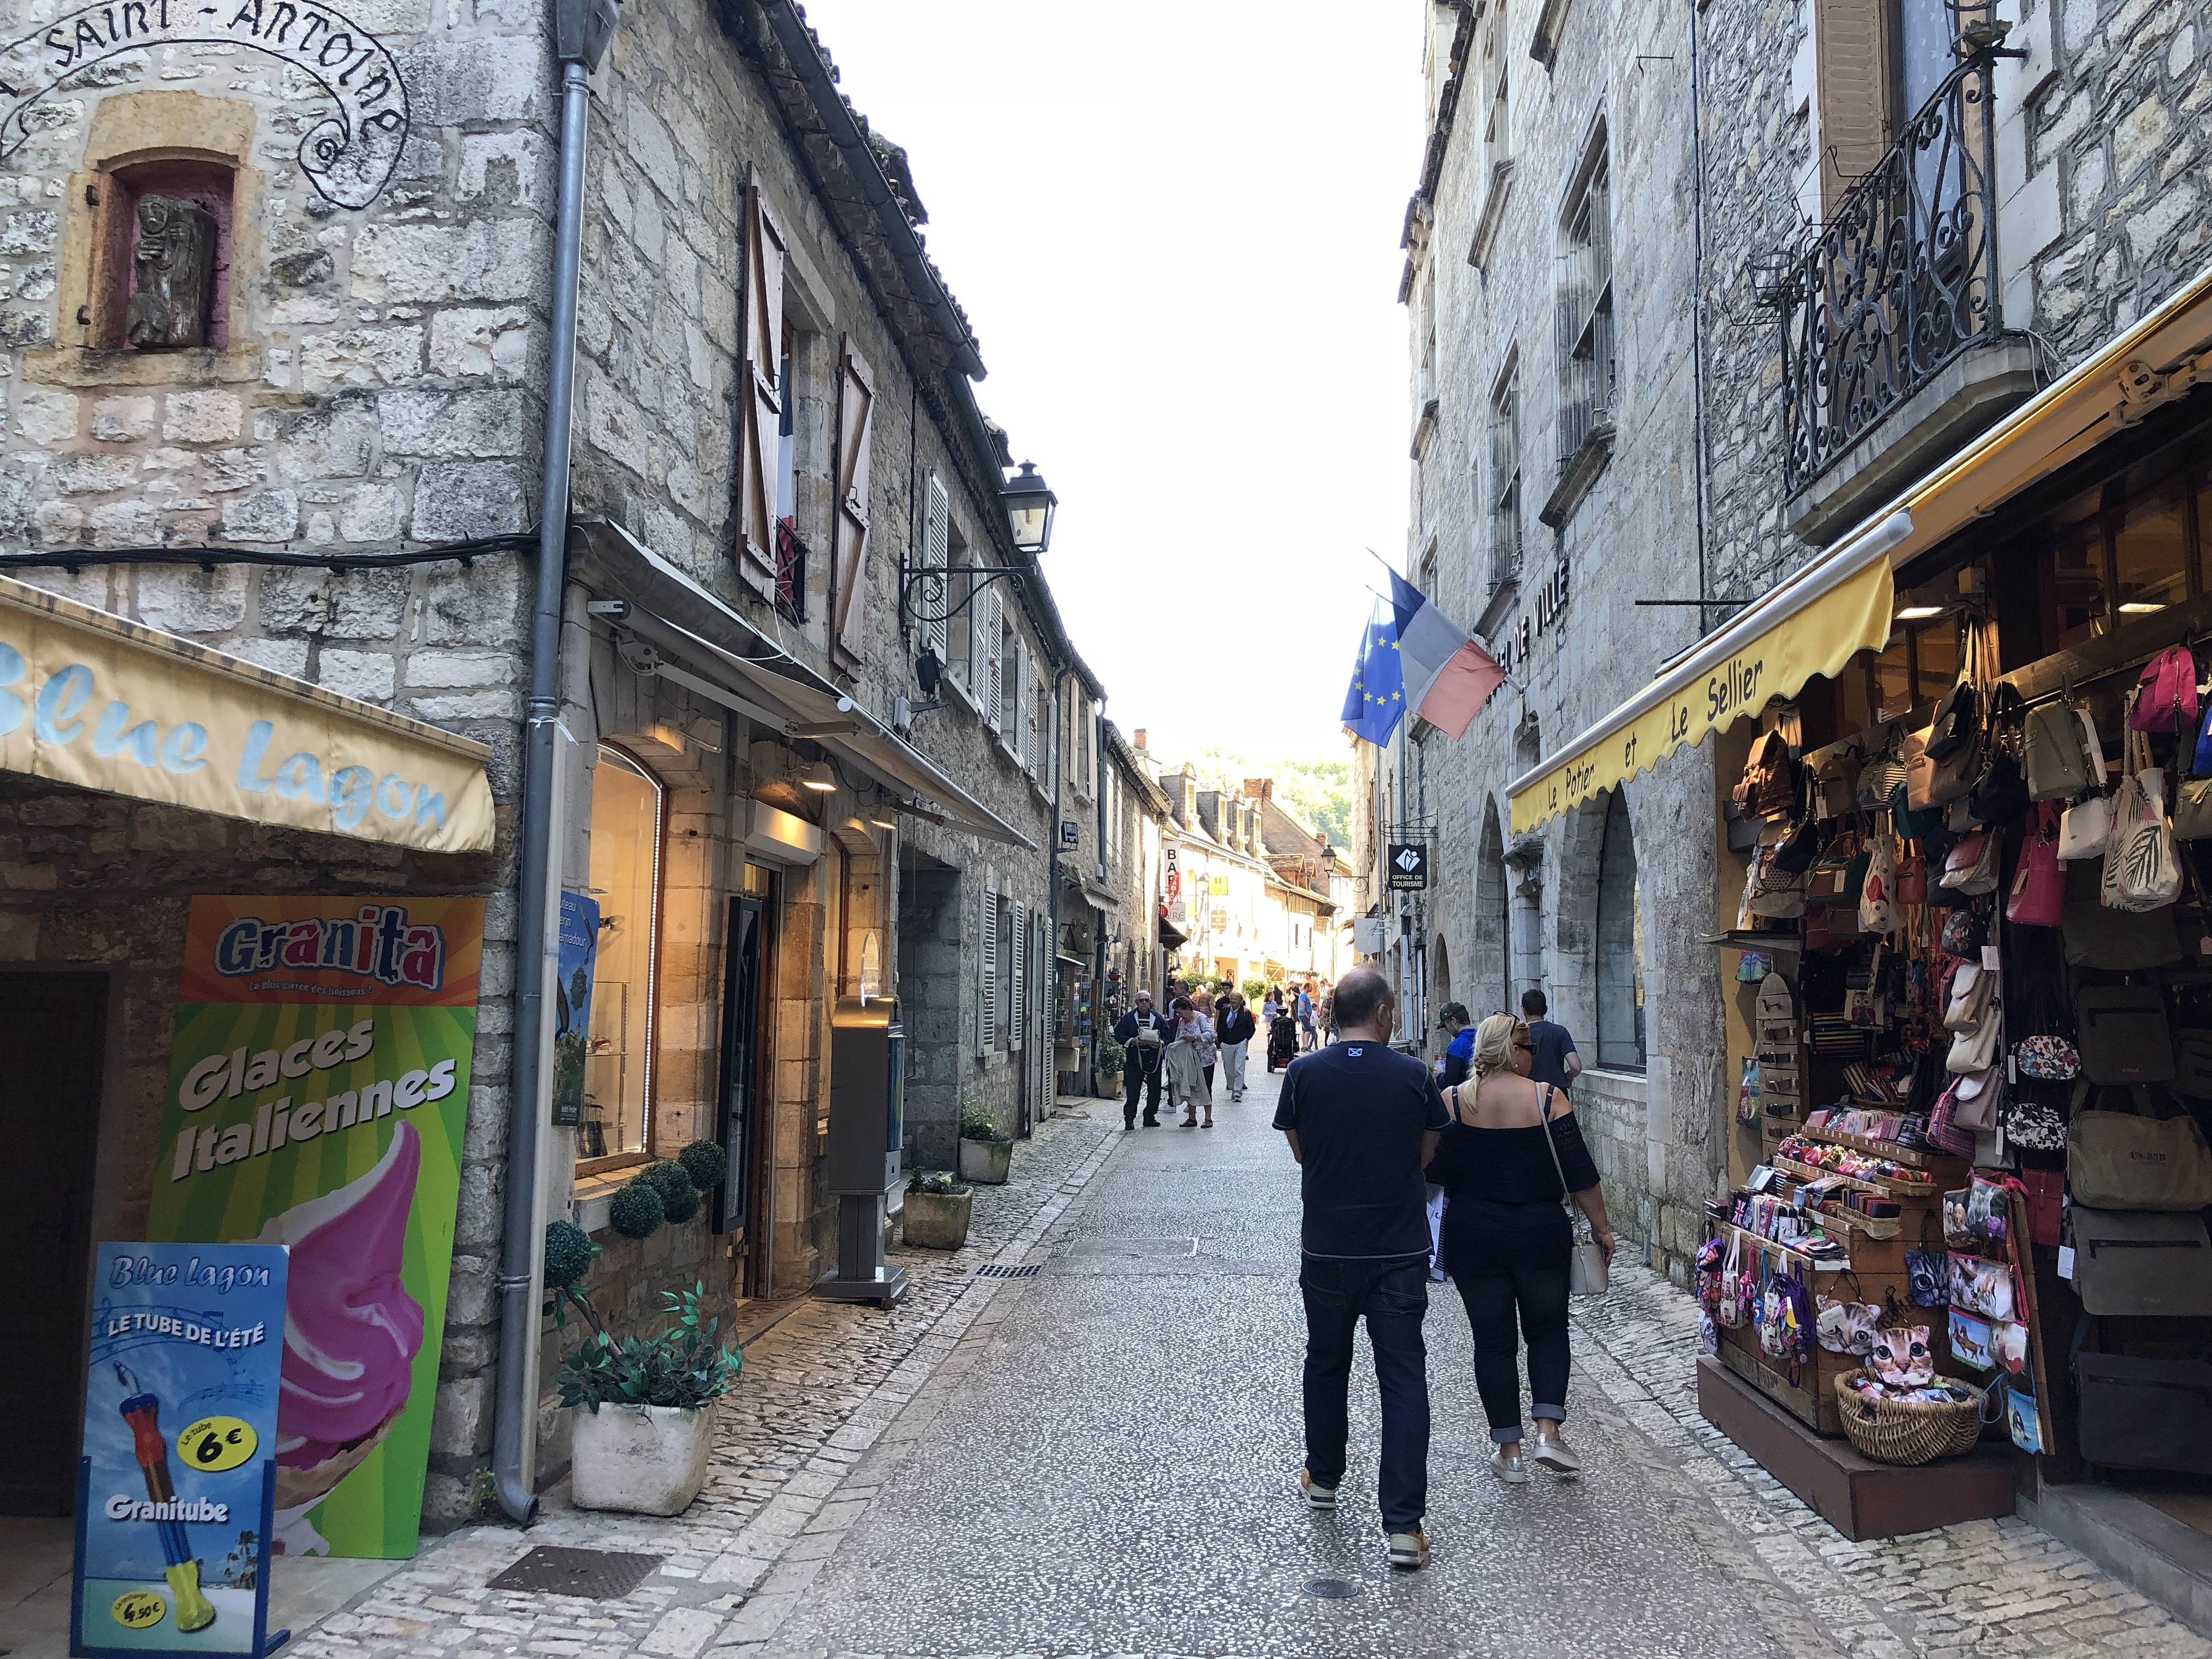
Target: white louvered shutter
987, 973
995, 665
980, 651
936, 554
1020, 999
1017, 702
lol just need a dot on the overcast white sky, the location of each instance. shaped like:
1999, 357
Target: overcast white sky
1175, 229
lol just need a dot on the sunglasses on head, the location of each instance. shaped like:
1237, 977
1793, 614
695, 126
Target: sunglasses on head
1526, 1047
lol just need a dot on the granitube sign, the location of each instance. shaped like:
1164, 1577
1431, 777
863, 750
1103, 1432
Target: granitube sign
180, 1444
318, 1093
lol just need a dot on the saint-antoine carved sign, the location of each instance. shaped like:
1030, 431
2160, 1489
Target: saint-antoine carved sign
348, 156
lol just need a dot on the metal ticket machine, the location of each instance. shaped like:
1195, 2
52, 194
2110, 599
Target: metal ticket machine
867, 1133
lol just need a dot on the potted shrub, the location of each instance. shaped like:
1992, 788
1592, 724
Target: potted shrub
986, 1155
1112, 1057
643, 1408
937, 1211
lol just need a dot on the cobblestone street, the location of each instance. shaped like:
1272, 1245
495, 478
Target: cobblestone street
1100, 1459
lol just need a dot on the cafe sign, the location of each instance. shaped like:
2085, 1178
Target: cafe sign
102, 703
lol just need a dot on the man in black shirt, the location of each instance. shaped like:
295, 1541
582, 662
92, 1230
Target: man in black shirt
1553, 1058
1142, 1033
1362, 1121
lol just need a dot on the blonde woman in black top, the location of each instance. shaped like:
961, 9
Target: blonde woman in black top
1507, 1240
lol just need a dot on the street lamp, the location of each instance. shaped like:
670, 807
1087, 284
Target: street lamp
1030, 503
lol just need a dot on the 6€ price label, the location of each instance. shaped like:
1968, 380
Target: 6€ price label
138, 1610
216, 1443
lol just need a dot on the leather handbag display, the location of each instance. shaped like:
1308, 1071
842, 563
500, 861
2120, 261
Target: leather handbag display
2136, 1264
2145, 1413
1912, 879
2127, 1161
1978, 1100
2122, 1033
2165, 694
1930, 782
2057, 768
2039, 881
2142, 870
1971, 866
2084, 828
1967, 998
2124, 940
1977, 1050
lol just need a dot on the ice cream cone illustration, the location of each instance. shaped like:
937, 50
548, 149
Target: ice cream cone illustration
351, 1331
142, 1411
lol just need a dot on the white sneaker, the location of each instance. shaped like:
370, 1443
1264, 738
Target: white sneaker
1317, 1496
1555, 1454
1409, 1550
1509, 1465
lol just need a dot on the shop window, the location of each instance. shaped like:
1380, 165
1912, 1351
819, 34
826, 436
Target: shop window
1619, 944
1936, 658
627, 812
1585, 309
2150, 551
164, 259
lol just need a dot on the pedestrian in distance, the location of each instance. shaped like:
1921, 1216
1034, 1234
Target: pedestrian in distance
1555, 1061
1363, 1120
1511, 1147
1305, 1019
1459, 1044
1143, 1034
1189, 1063
1270, 1004
1325, 1016
1233, 1031
1282, 1037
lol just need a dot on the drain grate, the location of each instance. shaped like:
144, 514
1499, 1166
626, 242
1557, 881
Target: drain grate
596, 1575
999, 1270
1332, 1589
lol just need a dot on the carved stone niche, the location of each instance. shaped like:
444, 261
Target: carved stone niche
172, 266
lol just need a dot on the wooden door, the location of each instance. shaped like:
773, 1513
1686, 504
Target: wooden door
52, 1028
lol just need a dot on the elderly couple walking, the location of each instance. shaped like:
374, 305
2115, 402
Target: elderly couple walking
1180, 1050
1370, 1127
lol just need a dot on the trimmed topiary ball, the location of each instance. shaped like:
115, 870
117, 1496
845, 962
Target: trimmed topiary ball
681, 1203
569, 1253
668, 1176
637, 1210
706, 1163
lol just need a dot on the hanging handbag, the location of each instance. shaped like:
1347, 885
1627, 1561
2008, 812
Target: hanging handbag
1981, 1286
2145, 1413
2192, 1063
2165, 694
1971, 867
1798, 848
1729, 1310
2201, 766
2192, 810
1930, 782
1824, 882
2057, 768
1927, 1271
1962, 932
2039, 882
1977, 1050
2045, 1192
2084, 828
2122, 1033
2131, 1264
1945, 1135
1978, 1100
1960, 718
2042, 1054
1879, 912
2128, 1161
1774, 791
1968, 997
1836, 783
1913, 880
2142, 871
1879, 780
2034, 1123
2122, 940
1772, 892
1587, 1267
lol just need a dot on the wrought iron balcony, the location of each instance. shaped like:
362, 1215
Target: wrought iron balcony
1900, 283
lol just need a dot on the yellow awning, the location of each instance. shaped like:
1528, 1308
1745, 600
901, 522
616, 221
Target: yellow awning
1813, 623
107, 703
1761, 656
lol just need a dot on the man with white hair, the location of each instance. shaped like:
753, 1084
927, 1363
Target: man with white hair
1142, 1034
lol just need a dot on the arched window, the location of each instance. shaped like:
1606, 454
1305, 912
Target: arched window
1493, 923
627, 809
1619, 945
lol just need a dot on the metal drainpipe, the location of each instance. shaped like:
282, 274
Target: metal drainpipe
514, 1416
1052, 896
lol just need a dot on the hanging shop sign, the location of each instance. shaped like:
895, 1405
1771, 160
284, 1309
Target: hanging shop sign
576, 971
1409, 866
318, 1087
1733, 677
178, 1479
1217, 886
100, 702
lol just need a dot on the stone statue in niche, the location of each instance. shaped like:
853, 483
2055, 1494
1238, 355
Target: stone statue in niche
174, 265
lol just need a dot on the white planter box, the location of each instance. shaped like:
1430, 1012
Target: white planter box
649, 1461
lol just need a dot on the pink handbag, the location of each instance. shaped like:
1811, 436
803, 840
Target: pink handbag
2166, 696
2038, 886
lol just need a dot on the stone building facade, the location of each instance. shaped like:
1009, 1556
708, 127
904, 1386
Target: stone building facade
794, 766
1668, 189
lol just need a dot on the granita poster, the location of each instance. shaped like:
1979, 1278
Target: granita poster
318, 1096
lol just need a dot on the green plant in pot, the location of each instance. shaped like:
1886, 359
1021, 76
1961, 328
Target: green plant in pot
1112, 1057
670, 1190
987, 1154
938, 1209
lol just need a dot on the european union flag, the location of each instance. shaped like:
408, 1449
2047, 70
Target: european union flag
1376, 702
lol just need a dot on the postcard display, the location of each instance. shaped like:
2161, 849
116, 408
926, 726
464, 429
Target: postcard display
1975, 956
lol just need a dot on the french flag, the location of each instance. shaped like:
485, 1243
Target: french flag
1449, 677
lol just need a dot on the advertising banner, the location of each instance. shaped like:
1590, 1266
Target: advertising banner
318, 1095
577, 967
179, 1433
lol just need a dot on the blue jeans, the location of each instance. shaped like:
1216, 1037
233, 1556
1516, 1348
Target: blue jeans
1394, 1297
1502, 1270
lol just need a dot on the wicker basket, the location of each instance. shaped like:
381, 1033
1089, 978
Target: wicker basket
1909, 1432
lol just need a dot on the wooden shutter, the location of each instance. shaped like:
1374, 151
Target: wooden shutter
978, 651
1019, 707
1019, 1002
991, 667
760, 405
856, 405
987, 972
1854, 55
936, 554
